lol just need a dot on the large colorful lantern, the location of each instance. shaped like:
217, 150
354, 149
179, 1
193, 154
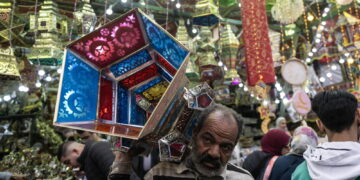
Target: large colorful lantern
122, 79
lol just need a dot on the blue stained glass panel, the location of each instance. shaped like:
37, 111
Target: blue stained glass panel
137, 115
79, 91
165, 45
165, 74
122, 105
148, 85
130, 63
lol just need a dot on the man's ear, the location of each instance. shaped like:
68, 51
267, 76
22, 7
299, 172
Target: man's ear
75, 151
320, 125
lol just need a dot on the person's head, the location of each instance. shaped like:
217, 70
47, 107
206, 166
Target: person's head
337, 111
69, 152
281, 123
86, 136
303, 137
275, 142
214, 137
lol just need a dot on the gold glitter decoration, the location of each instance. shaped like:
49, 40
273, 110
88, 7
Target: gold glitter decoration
154, 93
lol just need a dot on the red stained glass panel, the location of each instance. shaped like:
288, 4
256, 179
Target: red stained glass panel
111, 42
164, 63
106, 99
140, 76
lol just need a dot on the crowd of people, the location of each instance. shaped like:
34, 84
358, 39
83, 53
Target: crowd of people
283, 156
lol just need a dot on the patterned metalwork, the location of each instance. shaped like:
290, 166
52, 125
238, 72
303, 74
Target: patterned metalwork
165, 45
130, 63
77, 91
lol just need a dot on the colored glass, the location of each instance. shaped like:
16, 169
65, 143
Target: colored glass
111, 42
77, 91
130, 63
164, 63
140, 76
106, 99
164, 44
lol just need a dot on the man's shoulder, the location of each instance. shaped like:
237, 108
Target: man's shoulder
98, 146
301, 172
235, 171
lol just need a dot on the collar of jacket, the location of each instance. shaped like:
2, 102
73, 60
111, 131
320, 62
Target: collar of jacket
187, 166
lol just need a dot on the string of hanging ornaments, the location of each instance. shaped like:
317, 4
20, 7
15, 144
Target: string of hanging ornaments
287, 11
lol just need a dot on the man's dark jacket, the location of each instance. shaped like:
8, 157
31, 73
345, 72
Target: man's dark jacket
96, 159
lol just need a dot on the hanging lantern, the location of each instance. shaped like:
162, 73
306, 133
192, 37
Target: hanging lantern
48, 49
206, 13
192, 70
275, 45
86, 17
230, 45
8, 65
182, 34
287, 11
209, 69
123, 79
5, 8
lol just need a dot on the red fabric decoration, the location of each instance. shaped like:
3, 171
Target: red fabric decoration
257, 43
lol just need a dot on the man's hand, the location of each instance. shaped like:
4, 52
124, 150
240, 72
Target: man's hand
122, 156
18, 176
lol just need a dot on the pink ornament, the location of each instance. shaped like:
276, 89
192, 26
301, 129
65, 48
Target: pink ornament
301, 102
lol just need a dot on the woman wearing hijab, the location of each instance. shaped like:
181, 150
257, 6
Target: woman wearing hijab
284, 166
281, 124
273, 144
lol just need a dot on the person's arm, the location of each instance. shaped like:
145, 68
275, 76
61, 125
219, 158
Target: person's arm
149, 175
121, 167
250, 163
5, 175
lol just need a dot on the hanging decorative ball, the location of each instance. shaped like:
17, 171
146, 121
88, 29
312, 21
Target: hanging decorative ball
287, 11
343, 2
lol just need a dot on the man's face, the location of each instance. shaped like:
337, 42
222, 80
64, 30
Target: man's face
70, 158
214, 143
